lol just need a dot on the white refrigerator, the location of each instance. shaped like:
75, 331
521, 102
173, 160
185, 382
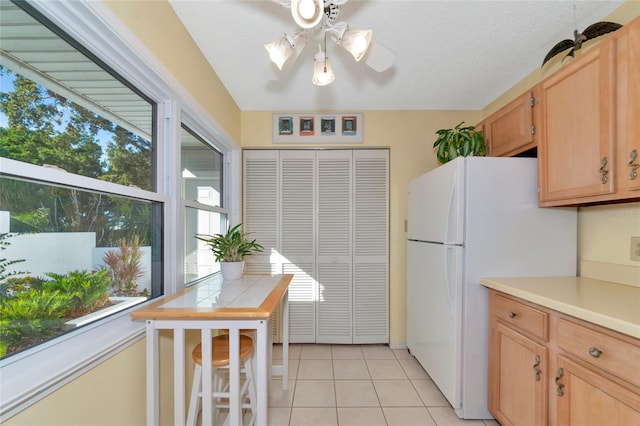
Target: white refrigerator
470, 218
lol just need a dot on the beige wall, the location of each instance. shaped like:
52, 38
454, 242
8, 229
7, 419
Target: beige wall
410, 136
604, 242
112, 393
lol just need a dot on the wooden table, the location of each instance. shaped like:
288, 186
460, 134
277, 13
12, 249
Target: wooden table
216, 304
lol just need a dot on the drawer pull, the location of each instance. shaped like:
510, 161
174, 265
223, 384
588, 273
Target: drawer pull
595, 352
512, 314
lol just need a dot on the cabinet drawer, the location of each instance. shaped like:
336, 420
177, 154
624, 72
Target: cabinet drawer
521, 316
615, 356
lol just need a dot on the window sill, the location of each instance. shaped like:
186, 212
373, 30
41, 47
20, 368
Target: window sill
35, 373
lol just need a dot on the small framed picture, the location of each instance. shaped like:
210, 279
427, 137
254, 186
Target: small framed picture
285, 126
328, 126
349, 126
306, 126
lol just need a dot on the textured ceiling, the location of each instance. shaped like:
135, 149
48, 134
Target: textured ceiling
449, 54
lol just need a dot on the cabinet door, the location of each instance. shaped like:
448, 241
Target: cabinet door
587, 398
576, 151
509, 131
334, 196
371, 246
628, 111
518, 375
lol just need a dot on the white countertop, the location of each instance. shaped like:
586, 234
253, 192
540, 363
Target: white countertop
607, 304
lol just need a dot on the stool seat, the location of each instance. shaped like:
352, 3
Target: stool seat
220, 350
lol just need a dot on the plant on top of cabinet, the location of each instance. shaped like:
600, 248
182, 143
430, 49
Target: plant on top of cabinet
459, 141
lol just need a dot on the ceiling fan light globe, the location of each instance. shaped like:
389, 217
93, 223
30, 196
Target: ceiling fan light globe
306, 8
279, 51
322, 72
307, 13
357, 42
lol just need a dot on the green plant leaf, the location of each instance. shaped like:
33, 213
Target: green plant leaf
232, 246
461, 140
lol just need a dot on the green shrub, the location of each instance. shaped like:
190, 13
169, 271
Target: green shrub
84, 288
33, 310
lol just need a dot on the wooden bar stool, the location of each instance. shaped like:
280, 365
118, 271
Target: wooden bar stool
220, 363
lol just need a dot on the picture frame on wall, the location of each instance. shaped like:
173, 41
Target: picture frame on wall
349, 125
307, 126
328, 126
339, 128
285, 126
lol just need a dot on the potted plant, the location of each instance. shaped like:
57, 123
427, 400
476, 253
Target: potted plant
230, 249
459, 141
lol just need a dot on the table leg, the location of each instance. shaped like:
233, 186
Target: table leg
207, 388
235, 413
178, 381
285, 341
262, 374
153, 371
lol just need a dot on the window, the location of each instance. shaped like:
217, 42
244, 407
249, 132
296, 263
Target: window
71, 252
202, 189
134, 124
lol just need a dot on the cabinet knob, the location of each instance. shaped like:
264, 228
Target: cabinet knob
604, 171
634, 166
512, 314
595, 352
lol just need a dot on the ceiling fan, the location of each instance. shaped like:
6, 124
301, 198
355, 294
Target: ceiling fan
316, 19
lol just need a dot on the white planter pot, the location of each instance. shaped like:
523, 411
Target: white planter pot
232, 270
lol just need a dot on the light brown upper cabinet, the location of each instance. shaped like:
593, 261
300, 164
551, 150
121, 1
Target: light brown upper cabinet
628, 108
577, 128
510, 131
589, 129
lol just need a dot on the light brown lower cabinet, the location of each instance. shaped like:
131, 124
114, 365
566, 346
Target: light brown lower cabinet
549, 368
518, 395
587, 397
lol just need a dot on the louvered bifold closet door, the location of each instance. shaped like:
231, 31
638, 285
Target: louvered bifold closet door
371, 246
260, 215
333, 239
297, 170
260, 208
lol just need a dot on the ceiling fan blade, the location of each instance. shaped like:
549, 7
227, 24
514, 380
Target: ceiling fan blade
378, 57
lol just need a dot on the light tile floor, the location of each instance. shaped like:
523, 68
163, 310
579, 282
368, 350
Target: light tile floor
350, 385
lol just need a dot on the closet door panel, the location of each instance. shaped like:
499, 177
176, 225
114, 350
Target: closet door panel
371, 246
334, 306
297, 254
260, 201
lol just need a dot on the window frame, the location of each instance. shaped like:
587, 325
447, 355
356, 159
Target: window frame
37, 372
198, 206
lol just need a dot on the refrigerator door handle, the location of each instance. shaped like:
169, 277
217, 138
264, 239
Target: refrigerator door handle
447, 280
447, 221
